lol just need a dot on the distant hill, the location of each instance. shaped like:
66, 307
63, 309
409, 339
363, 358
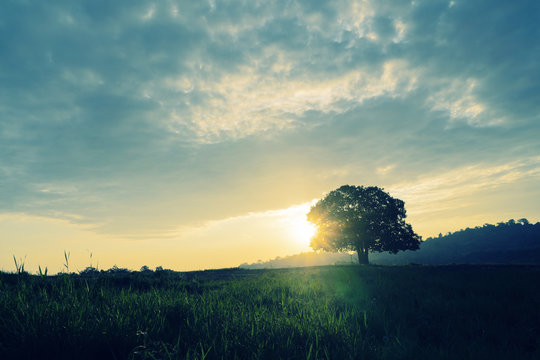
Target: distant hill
304, 259
512, 242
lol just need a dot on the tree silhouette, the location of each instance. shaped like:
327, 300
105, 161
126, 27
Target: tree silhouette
357, 218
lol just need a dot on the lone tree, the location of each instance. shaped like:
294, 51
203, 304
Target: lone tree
357, 218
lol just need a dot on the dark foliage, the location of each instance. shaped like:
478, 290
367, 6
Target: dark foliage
511, 242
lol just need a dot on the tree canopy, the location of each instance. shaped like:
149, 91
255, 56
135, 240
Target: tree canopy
361, 219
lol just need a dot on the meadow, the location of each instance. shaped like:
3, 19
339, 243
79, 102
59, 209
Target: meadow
331, 312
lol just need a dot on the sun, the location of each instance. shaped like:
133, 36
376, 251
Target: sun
297, 230
302, 230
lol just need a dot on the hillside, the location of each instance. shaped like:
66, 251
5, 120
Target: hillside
511, 242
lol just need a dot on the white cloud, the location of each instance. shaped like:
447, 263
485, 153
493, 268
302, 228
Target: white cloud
459, 100
384, 170
269, 217
401, 30
250, 102
149, 14
449, 190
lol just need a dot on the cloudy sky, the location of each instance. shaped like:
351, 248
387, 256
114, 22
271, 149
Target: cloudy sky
196, 134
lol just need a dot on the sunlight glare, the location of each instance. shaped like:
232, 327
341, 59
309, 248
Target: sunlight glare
302, 230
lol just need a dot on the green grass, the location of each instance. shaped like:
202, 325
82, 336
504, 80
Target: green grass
341, 312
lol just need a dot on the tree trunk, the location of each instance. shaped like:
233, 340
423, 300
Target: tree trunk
362, 256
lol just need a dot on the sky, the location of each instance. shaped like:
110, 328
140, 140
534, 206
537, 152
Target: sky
197, 134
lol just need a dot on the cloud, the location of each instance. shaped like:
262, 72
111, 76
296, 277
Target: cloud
111, 111
456, 188
257, 235
459, 101
385, 169
249, 103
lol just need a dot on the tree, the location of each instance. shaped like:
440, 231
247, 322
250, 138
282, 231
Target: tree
361, 219
145, 269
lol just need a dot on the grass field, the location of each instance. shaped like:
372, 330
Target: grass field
335, 312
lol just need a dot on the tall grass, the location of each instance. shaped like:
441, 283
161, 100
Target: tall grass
317, 313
